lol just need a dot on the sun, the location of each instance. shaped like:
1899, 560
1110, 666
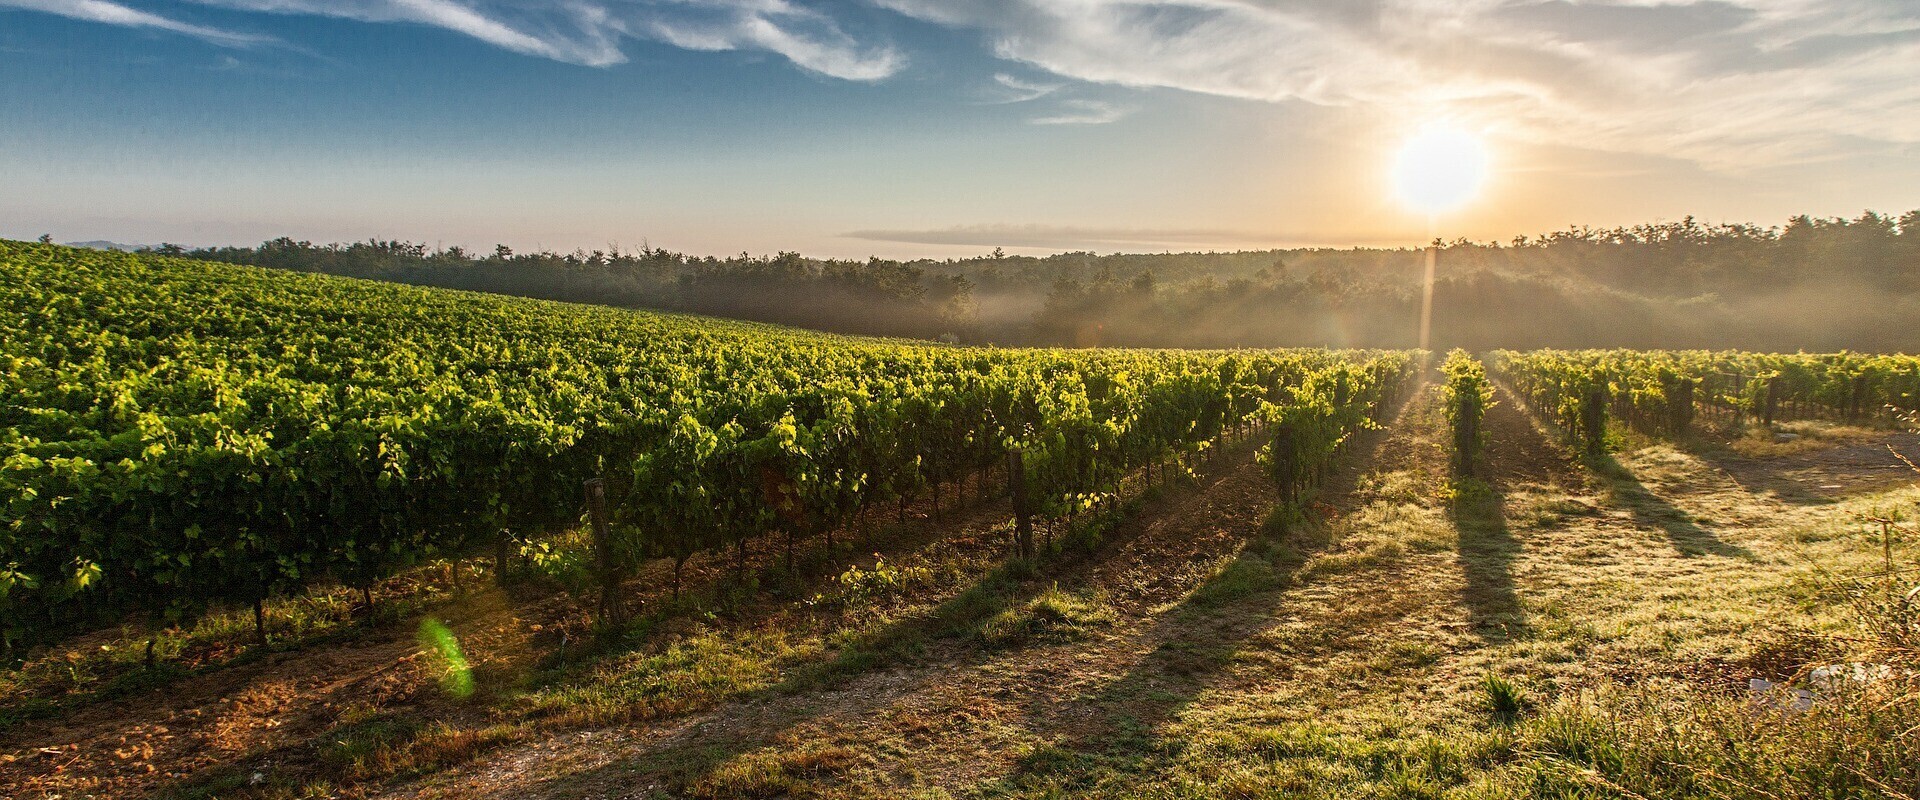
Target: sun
1439, 169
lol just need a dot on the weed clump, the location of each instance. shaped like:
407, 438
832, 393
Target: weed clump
783, 772
1504, 698
1052, 614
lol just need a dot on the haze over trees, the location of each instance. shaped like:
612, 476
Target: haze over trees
1667, 284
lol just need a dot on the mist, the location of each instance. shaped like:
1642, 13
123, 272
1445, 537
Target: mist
1797, 286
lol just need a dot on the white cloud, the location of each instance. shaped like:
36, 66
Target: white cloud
594, 47
1072, 111
586, 32
1083, 112
1015, 90
1723, 83
808, 40
117, 14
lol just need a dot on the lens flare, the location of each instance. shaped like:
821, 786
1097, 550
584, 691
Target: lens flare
1439, 169
437, 639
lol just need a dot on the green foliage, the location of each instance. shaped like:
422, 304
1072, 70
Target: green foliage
1672, 283
1504, 698
175, 434
1319, 411
1658, 392
1468, 395
561, 562
881, 582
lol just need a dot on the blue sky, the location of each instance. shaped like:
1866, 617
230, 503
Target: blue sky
920, 128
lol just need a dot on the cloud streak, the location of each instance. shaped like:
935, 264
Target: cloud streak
581, 32
1015, 90
1083, 112
1729, 84
808, 39
116, 14
1724, 83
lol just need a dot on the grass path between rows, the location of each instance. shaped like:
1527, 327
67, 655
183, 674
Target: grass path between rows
1214, 656
1198, 649
1191, 601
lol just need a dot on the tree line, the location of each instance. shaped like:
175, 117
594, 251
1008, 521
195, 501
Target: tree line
1682, 284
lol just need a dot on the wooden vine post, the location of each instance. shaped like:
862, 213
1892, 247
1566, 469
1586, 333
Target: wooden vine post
1285, 462
1022, 510
502, 548
1593, 420
1466, 433
612, 611
1680, 407
1773, 400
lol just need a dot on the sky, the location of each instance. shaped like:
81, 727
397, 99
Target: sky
937, 128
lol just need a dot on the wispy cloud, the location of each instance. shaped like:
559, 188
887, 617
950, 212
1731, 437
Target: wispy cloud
809, 39
1725, 83
1008, 90
1083, 112
117, 14
568, 33
586, 32
1016, 90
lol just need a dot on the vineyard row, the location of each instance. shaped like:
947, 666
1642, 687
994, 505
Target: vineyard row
176, 434
1669, 393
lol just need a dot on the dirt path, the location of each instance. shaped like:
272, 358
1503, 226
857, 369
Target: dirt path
1208, 648
271, 712
1378, 623
961, 695
971, 714
1520, 455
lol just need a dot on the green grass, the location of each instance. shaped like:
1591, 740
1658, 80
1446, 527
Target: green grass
1505, 700
790, 772
112, 664
1671, 741
1051, 615
692, 673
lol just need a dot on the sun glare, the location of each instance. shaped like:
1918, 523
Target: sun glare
1439, 169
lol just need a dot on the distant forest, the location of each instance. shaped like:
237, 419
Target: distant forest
1812, 284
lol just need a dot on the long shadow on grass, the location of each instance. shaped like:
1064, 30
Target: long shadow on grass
1624, 490
418, 739
1686, 533
1009, 585
856, 681
1815, 477
1487, 553
1517, 455
834, 686
1198, 642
